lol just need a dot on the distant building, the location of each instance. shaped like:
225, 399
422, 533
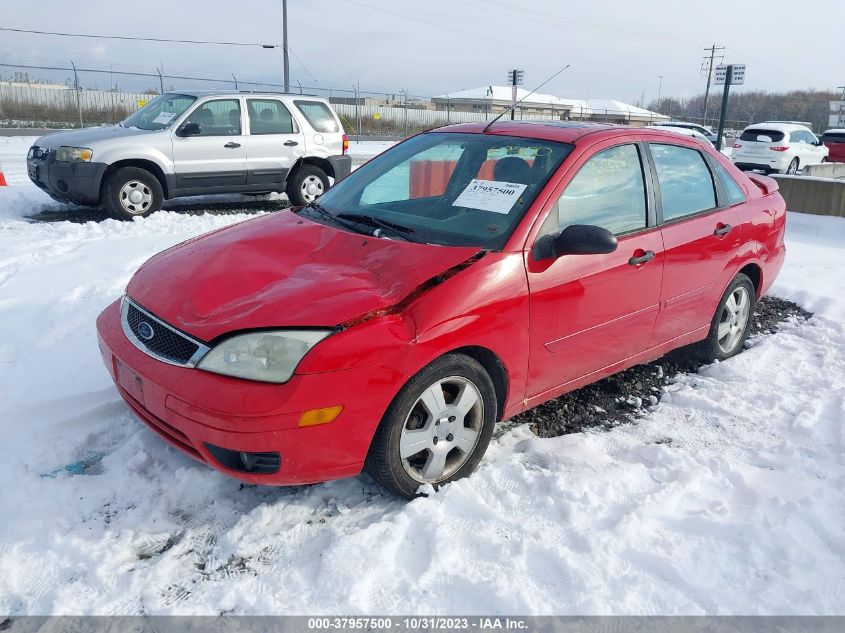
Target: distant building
497, 99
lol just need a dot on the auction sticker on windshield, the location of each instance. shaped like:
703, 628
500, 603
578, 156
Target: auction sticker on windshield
164, 117
490, 195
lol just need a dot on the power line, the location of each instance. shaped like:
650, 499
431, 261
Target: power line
137, 39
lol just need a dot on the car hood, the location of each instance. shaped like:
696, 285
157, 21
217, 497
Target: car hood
87, 136
282, 270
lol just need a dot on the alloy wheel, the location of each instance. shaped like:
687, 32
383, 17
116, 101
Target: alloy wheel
442, 430
734, 319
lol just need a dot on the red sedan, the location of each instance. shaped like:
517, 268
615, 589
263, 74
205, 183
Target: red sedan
461, 277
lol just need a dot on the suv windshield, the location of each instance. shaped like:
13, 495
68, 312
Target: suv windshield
447, 188
159, 112
761, 135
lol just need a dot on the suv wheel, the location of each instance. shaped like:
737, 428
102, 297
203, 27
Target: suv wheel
437, 428
132, 192
793, 167
306, 185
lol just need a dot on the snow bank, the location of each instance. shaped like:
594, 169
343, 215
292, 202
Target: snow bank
727, 497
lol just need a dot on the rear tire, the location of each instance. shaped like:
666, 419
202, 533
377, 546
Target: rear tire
306, 184
437, 428
731, 323
793, 167
132, 192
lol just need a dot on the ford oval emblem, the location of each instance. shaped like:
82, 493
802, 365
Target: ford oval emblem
145, 330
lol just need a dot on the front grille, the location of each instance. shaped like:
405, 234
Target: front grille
155, 337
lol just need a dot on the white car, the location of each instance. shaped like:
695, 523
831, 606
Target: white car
685, 131
777, 147
706, 132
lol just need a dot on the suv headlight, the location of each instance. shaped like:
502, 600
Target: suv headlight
269, 356
74, 154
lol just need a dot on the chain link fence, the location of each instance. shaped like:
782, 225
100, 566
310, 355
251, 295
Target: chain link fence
27, 103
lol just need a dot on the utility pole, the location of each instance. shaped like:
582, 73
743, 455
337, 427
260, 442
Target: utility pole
659, 91
708, 65
285, 44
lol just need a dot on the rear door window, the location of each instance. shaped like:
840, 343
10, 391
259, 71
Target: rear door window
269, 116
761, 135
318, 115
686, 185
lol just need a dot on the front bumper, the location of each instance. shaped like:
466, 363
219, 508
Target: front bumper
191, 409
67, 182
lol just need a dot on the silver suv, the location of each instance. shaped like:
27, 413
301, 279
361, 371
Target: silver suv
193, 143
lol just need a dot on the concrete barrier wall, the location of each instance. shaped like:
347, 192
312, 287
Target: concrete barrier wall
807, 194
826, 170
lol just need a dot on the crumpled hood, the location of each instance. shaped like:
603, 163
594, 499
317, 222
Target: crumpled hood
282, 270
87, 136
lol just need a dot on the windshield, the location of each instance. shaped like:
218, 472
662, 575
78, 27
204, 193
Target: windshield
159, 112
452, 189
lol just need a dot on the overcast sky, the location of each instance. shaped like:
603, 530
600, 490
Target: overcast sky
616, 49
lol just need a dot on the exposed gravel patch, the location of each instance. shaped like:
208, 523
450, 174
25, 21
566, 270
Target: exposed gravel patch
627, 395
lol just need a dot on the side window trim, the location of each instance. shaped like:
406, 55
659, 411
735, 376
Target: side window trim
717, 187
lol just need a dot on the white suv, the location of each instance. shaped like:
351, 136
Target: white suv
191, 143
776, 146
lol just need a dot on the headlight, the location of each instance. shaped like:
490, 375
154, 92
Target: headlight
74, 154
270, 356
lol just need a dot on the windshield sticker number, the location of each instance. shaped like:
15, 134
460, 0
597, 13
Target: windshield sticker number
490, 195
164, 117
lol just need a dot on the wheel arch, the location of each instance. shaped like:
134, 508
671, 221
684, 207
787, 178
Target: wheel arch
316, 161
755, 273
140, 163
494, 367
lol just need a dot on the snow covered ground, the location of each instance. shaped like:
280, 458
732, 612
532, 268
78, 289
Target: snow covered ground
727, 497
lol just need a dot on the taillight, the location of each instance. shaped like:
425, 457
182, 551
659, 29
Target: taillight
737, 145
778, 148
345, 143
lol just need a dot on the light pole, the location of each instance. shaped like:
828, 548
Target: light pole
285, 43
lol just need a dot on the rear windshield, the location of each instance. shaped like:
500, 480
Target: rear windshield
833, 137
759, 134
318, 115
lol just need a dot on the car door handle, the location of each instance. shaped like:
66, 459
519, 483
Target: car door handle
291, 143
722, 229
641, 259
232, 145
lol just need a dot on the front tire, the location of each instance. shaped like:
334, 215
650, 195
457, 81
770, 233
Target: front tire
306, 184
437, 428
132, 192
731, 323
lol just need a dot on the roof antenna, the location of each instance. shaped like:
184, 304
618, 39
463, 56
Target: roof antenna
504, 112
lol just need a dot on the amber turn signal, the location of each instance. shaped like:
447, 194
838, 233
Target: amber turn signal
320, 416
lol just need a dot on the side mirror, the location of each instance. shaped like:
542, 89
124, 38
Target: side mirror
189, 129
575, 239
